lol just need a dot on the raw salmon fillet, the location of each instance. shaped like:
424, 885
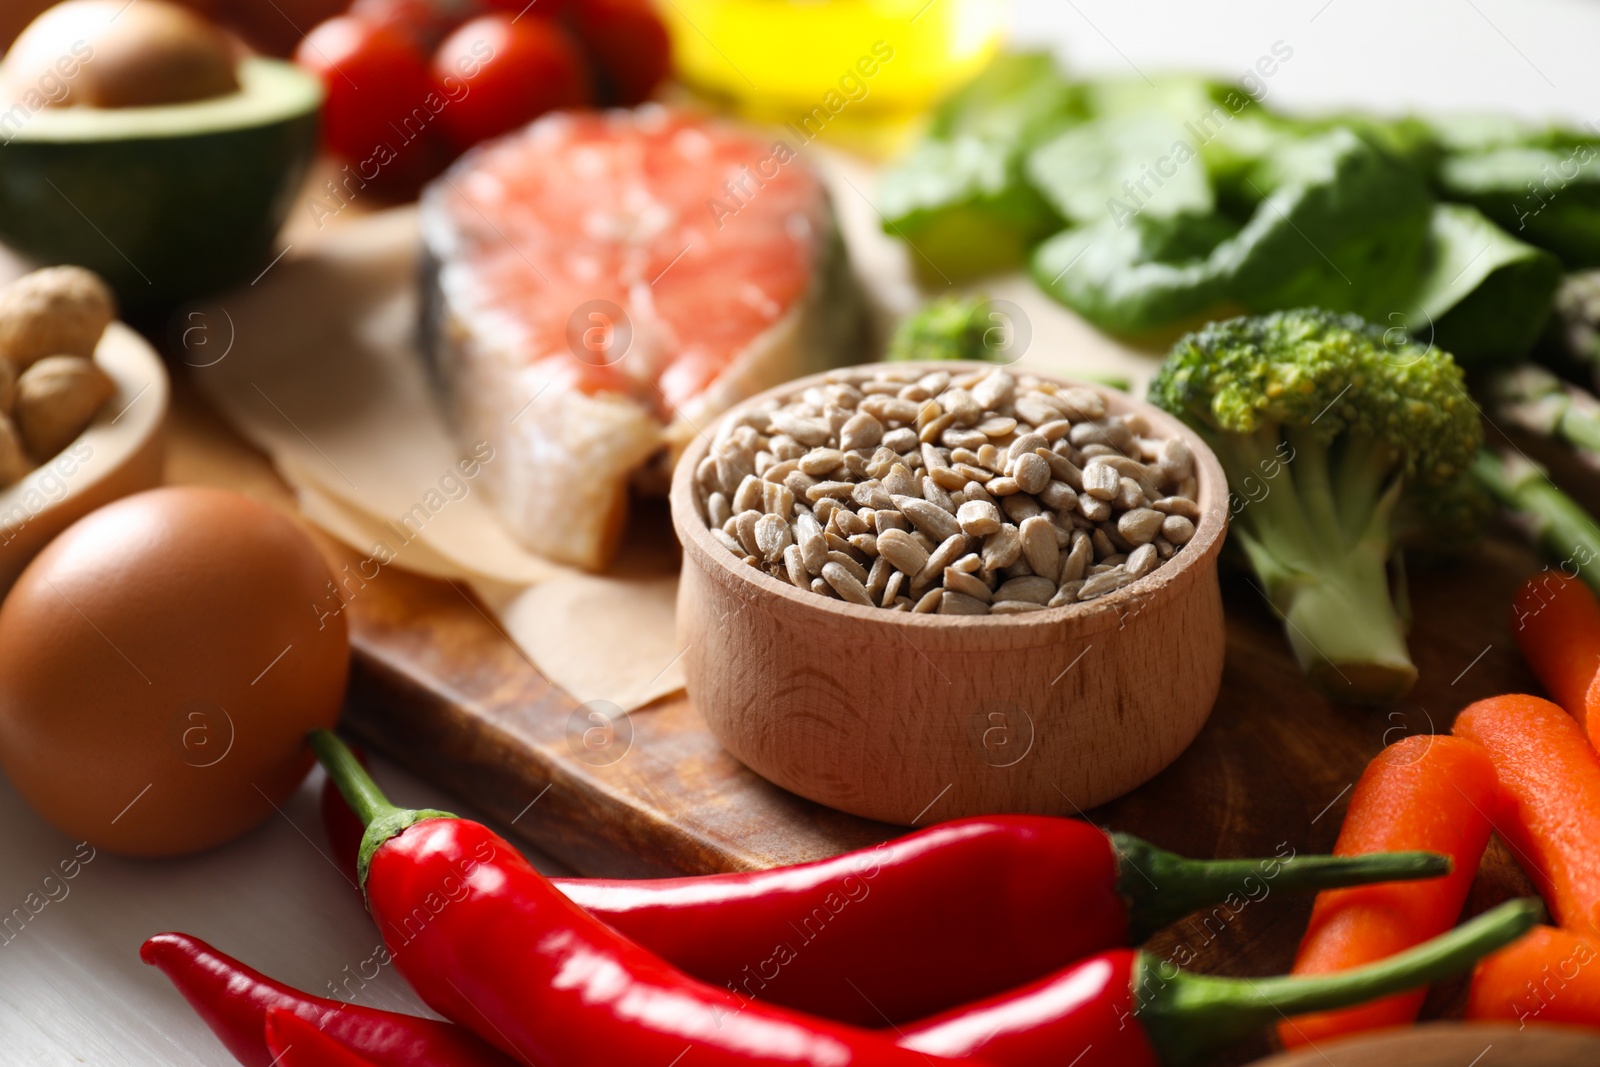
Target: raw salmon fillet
599, 286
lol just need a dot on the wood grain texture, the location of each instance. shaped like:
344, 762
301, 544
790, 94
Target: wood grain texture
887, 715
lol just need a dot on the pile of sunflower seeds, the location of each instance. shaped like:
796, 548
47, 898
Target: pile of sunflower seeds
965, 493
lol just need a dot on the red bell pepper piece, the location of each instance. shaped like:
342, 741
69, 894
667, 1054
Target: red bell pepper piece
1050, 891
294, 1042
489, 942
235, 1000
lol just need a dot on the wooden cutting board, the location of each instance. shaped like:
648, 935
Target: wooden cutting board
438, 688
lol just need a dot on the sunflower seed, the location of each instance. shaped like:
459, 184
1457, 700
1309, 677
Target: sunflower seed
961, 604
905, 554
956, 581
794, 566
718, 510
846, 584
1031, 473
1101, 584
978, 519
861, 430
1002, 548
1100, 480
1078, 558
950, 549
1039, 547
934, 493
1031, 587
1067, 594
931, 519
1177, 505
813, 547
772, 537
1177, 529
1141, 525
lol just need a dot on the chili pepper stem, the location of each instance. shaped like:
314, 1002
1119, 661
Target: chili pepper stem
1161, 887
1188, 1015
381, 818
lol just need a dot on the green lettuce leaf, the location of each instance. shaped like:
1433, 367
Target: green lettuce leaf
1484, 295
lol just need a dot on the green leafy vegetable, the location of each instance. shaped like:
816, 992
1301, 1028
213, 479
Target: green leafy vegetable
964, 207
1143, 204
1019, 99
1343, 226
960, 199
1484, 294
1115, 168
1547, 196
1338, 224
1149, 273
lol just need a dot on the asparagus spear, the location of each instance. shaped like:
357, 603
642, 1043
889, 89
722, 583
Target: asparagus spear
1566, 533
1532, 399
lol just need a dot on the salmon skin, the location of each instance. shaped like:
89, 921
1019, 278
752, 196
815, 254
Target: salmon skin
599, 286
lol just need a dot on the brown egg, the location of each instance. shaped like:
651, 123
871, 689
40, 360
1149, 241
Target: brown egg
161, 662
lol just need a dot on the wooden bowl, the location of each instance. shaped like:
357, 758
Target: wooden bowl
121, 452
1452, 1044
903, 717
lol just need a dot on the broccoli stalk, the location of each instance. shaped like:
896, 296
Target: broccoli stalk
1340, 450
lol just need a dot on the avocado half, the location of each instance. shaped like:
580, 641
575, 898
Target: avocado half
166, 203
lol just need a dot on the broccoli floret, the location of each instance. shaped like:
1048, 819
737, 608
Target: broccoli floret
952, 327
1343, 444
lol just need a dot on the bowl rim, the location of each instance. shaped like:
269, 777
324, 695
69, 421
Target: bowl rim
688, 519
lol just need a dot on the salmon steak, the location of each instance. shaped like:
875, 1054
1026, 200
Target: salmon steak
600, 286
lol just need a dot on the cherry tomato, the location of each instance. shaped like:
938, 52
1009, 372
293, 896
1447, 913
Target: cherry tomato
629, 45
545, 9
498, 72
374, 77
425, 22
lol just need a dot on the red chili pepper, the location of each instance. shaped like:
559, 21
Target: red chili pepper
294, 1042
1049, 890
235, 1000
1131, 1009
1082, 1011
489, 942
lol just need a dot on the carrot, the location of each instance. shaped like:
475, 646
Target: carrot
1425, 792
1549, 810
1546, 976
1556, 621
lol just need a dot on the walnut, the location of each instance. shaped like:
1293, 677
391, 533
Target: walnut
55, 311
57, 398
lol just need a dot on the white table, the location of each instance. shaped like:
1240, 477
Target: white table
72, 989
